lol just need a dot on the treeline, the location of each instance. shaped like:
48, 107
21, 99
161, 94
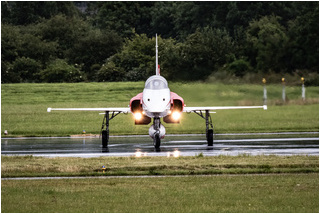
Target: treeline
114, 41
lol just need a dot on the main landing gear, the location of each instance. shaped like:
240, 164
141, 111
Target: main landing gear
105, 129
209, 126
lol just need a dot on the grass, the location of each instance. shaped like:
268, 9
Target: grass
23, 109
22, 166
289, 193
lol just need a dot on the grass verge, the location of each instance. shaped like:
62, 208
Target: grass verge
21, 166
285, 193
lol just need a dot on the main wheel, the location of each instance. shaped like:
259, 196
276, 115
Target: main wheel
210, 137
105, 138
157, 142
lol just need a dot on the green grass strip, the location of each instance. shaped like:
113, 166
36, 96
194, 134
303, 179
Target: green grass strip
30, 166
284, 193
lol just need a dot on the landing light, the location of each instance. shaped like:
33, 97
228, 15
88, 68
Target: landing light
138, 116
176, 115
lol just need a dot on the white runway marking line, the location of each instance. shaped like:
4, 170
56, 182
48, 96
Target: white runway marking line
247, 140
139, 176
168, 135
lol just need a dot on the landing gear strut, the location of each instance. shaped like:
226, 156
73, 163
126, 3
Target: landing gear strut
156, 138
209, 126
105, 129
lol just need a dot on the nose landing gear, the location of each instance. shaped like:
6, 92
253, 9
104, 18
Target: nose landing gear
157, 142
157, 134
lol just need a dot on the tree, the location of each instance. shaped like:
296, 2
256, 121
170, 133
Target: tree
123, 17
21, 49
162, 19
204, 51
136, 58
303, 52
28, 12
27, 69
92, 49
64, 30
268, 40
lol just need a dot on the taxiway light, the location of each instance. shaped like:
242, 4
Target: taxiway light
138, 154
176, 154
103, 169
138, 116
176, 115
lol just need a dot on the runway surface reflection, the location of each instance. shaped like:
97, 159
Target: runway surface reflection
184, 145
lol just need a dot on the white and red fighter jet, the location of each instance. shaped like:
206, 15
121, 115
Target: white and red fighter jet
156, 101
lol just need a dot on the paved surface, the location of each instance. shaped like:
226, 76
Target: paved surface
185, 145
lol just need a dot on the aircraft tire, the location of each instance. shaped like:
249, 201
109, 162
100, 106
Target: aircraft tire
157, 142
210, 137
105, 138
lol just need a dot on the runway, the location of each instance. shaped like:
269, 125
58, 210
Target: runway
183, 145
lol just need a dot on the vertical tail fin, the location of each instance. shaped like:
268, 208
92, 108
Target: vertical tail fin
157, 65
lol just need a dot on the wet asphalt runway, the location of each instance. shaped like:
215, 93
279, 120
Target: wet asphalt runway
185, 145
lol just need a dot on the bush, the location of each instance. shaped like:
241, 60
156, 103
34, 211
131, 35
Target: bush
27, 69
110, 73
239, 67
60, 71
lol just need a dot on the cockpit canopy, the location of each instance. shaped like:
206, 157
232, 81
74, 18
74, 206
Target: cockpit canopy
156, 82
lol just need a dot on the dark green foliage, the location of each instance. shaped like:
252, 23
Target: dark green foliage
28, 12
269, 42
239, 67
60, 71
136, 59
205, 51
109, 73
114, 41
27, 69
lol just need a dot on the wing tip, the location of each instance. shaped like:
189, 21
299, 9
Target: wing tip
265, 107
49, 109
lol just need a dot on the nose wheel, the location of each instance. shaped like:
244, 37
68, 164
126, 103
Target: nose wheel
157, 142
156, 137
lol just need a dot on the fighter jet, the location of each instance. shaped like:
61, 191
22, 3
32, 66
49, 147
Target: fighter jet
156, 102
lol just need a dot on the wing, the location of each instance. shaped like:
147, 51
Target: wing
120, 110
212, 108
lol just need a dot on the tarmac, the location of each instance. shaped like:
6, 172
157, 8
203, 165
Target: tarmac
285, 143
